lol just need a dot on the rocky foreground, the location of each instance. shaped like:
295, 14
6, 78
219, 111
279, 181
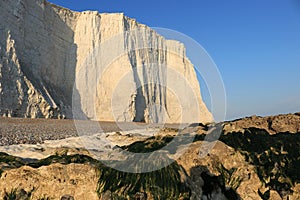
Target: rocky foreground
253, 158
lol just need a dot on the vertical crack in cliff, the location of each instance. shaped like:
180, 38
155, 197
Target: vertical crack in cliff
148, 59
139, 99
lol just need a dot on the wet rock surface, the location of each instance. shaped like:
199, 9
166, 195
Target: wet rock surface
248, 163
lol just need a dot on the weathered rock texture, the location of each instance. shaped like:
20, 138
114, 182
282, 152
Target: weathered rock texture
57, 180
272, 124
247, 164
122, 70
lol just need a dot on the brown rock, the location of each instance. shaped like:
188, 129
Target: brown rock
273, 124
53, 181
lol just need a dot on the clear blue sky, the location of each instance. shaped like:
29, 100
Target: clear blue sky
255, 44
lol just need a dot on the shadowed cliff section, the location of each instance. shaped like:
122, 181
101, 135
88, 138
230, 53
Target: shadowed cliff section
40, 43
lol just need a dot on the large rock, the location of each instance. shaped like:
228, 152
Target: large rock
272, 124
53, 181
252, 163
122, 70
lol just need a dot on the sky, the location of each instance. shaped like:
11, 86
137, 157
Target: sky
254, 43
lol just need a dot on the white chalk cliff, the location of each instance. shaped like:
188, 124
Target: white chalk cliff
57, 63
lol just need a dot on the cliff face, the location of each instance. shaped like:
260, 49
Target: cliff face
108, 65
